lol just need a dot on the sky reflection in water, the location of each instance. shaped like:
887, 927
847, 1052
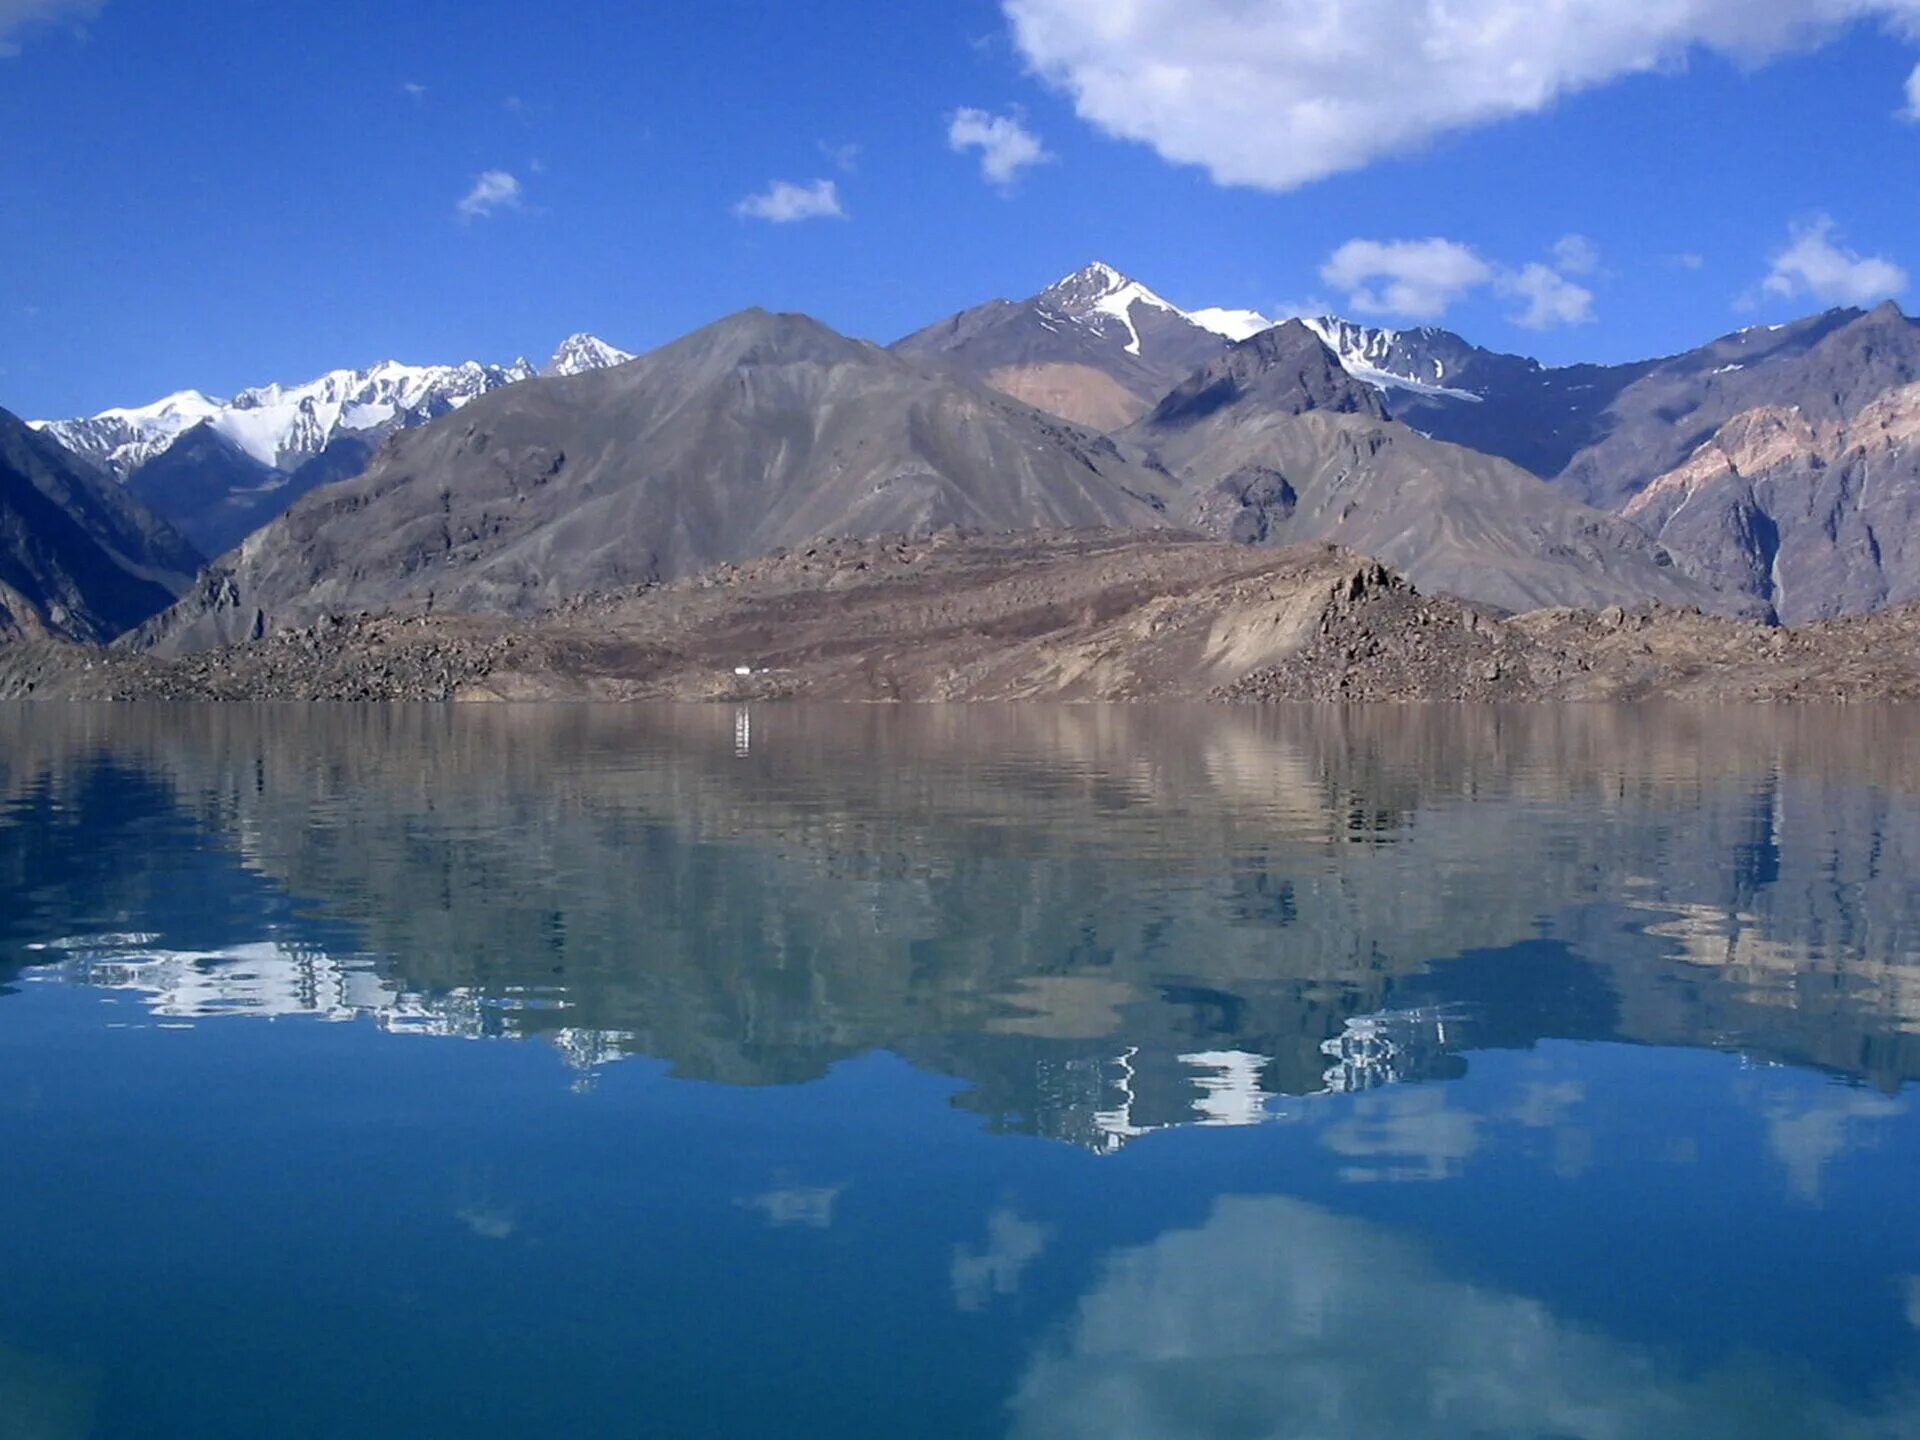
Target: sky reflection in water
972, 1072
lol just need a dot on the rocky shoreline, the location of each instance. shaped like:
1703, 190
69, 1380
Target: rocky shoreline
1067, 616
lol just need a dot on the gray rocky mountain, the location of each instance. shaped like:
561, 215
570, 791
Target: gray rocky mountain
1828, 366
79, 557
755, 433
1096, 347
1811, 498
1275, 443
1590, 428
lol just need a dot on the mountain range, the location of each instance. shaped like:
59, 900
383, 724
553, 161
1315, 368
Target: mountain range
220, 469
1768, 473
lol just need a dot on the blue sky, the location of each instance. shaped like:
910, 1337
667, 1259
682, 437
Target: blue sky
215, 194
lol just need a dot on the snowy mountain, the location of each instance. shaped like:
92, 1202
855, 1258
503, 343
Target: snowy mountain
579, 354
219, 469
1096, 347
283, 426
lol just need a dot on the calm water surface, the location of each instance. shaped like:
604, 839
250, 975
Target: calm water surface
926, 1072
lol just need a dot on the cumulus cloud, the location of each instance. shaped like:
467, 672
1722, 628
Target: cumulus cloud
1278, 93
1006, 146
784, 202
1549, 298
1912, 109
18, 16
1576, 255
845, 158
1815, 264
1415, 279
1423, 279
492, 192
413, 90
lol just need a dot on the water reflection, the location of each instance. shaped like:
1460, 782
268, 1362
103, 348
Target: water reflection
1109, 921
1279, 1318
1435, 1072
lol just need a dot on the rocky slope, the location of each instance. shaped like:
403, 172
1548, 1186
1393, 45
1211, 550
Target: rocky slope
1275, 443
1075, 616
1811, 501
79, 557
757, 432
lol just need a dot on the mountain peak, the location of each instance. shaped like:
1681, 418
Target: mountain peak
1288, 368
764, 337
581, 352
1088, 283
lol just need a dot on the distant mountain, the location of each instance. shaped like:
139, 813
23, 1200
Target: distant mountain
1828, 366
1599, 431
580, 353
1096, 347
1809, 496
758, 432
283, 426
1276, 443
79, 557
252, 456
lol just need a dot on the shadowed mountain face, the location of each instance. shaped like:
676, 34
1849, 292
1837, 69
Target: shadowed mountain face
78, 557
1601, 431
1013, 896
756, 433
1275, 443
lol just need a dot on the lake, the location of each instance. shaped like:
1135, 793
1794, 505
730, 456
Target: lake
1078, 1071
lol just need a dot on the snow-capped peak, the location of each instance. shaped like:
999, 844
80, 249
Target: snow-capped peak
1234, 325
580, 353
282, 426
1099, 291
1370, 354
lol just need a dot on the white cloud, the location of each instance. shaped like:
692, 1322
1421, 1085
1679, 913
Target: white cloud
493, 191
1815, 264
16, 16
1576, 255
1311, 307
845, 158
784, 202
1006, 146
413, 90
1912, 108
1423, 279
1278, 93
1688, 261
1551, 299
1416, 279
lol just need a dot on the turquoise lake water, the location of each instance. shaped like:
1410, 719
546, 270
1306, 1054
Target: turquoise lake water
926, 1072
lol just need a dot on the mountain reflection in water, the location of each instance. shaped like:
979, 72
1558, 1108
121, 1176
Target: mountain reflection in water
971, 1072
1106, 921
